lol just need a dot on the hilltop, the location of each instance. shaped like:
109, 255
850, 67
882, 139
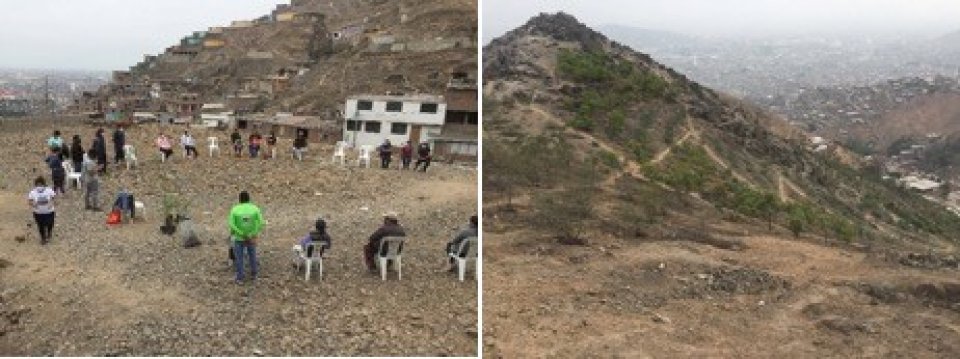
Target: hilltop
653, 216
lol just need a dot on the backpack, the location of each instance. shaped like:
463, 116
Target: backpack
114, 217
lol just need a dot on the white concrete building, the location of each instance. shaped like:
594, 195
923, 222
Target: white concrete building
370, 119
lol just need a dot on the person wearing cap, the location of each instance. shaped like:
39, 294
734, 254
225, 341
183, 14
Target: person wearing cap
390, 228
454, 245
245, 222
319, 237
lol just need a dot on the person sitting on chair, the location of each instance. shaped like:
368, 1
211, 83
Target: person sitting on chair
319, 237
454, 245
390, 228
299, 146
165, 146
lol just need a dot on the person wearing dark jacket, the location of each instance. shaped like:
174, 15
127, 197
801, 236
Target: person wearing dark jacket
318, 237
454, 245
119, 140
237, 141
386, 153
57, 172
100, 145
299, 146
76, 154
423, 157
390, 228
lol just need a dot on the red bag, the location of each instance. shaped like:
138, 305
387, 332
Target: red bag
114, 217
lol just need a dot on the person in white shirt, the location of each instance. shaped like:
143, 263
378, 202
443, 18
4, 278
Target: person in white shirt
41, 200
189, 144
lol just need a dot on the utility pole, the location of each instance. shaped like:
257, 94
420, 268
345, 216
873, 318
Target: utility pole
46, 96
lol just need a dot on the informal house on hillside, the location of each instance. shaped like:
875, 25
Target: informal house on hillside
371, 119
459, 136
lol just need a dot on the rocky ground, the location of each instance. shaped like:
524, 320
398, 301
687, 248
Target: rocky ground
132, 291
747, 293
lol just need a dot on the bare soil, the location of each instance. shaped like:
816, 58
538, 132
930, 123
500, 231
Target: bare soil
771, 296
130, 290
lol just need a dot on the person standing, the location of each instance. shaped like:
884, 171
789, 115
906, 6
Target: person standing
57, 172
271, 145
56, 142
390, 228
423, 157
189, 144
101, 145
41, 200
406, 155
119, 140
237, 142
246, 222
91, 182
386, 154
254, 142
76, 154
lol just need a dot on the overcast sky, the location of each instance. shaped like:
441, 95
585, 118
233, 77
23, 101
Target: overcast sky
107, 34
737, 17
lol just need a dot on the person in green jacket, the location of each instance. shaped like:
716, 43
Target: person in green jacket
245, 221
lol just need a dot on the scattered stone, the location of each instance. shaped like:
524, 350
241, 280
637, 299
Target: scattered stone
657, 318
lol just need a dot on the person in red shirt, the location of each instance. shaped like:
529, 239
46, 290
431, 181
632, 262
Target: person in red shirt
406, 154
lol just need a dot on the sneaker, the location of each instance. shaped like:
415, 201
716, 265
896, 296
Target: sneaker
238, 281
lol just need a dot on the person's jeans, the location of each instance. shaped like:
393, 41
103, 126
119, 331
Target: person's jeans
91, 198
254, 150
406, 162
251, 252
45, 225
384, 162
117, 153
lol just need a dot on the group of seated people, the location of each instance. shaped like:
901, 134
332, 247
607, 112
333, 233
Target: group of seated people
246, 222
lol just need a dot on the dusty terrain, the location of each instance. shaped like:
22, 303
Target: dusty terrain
132, 291
665, 296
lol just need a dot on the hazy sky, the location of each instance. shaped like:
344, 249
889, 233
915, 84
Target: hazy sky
737, 17
107, 34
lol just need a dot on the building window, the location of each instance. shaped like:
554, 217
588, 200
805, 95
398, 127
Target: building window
372, 127
398, 128
428, 108
472, 118
353, 125
364, 105
394, 106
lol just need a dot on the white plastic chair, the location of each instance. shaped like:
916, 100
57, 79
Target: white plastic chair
364, 155
316, 258
139, 207
466, 252
298, 155
340, 152
391, 248
130, 156
72, 176
213, 146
